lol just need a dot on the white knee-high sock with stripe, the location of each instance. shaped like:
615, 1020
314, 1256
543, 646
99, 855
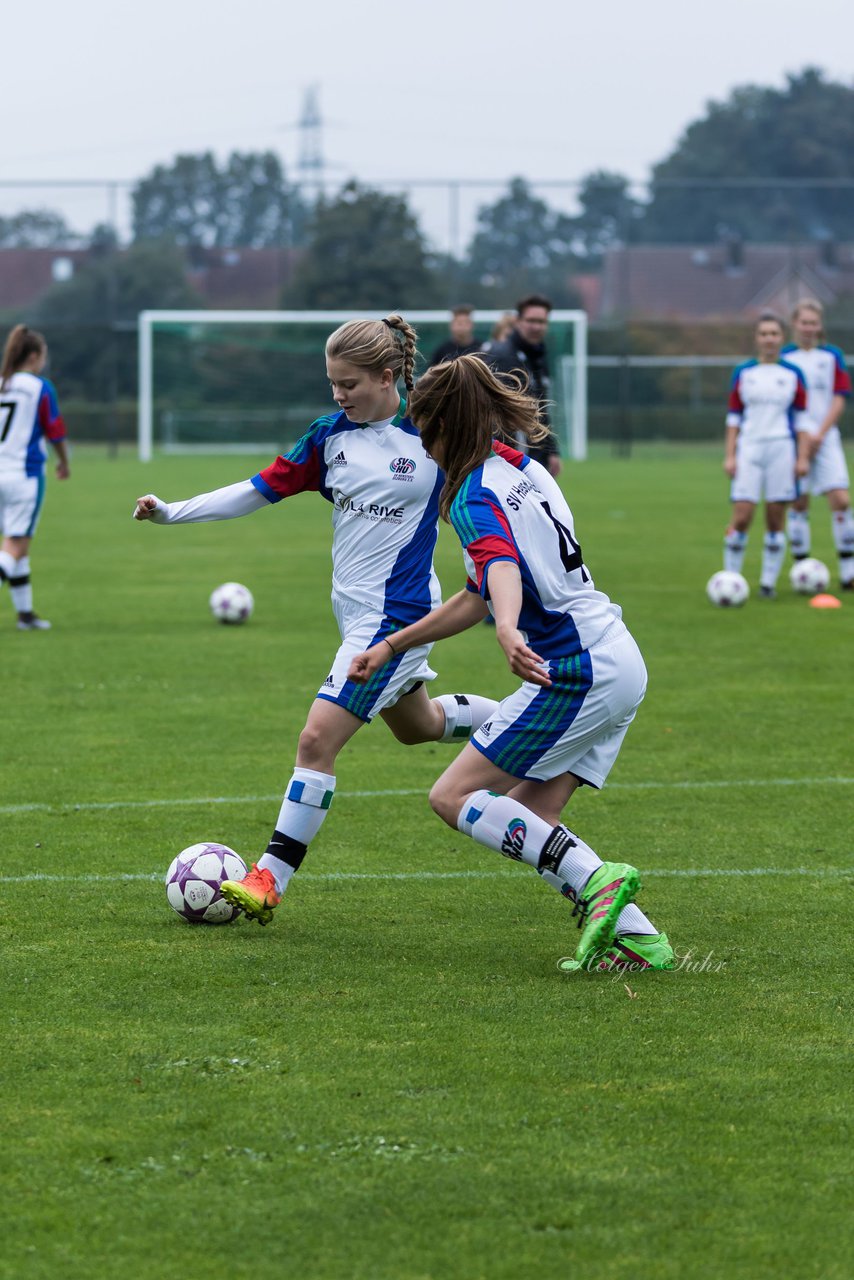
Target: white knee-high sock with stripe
843, 537
20, 586
562, 858
306, 803
773, 555
464, 714
798, 529
735, 545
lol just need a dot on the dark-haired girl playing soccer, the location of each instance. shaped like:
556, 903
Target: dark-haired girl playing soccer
583, 675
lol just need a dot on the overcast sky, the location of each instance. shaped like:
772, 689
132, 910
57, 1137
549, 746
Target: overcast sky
451, 89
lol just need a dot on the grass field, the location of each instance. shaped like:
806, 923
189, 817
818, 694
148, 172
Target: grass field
393, 1081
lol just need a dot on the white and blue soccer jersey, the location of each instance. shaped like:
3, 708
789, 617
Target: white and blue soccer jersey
510, 508
826, 376
384, 492
767, 401
29, 414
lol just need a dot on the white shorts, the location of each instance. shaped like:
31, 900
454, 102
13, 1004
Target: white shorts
577, 725
828, 469
360, 628
21, 499
765, 468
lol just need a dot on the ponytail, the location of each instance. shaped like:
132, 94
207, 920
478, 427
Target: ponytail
20, 345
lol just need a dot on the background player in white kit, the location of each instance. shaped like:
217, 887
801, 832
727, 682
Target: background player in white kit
368, 462
583, 674
767, 448
828, 388
29, 414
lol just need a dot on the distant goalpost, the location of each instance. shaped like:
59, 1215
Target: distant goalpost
219, 381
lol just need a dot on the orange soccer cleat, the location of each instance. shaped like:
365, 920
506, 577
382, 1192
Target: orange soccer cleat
256, 894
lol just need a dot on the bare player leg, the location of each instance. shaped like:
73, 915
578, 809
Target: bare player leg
742, 515
546, 801
471, 771
17, 547
775, 516
327, 729
415, 718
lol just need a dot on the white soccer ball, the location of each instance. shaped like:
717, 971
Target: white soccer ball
194, 878
809, 577
232, 602
727, 589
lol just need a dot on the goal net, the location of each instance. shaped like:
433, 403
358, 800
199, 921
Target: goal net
223, 381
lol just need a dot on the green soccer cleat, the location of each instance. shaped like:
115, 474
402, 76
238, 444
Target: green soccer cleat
629, 952
611, 887
255, 894
636, 951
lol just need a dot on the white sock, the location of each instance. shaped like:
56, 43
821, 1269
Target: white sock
562, 858
304, 808
8, 565
20, 587
504, 825
633, 920
735, 544
773, 554
843, 537
464, 714
798, 528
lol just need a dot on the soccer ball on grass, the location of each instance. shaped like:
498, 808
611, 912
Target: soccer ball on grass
232, 602
194, 878
808, 577
727, 589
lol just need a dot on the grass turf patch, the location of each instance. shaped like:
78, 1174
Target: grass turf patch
393, 1080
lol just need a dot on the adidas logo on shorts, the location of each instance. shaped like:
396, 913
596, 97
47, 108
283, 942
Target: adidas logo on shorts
339, 460
329, 683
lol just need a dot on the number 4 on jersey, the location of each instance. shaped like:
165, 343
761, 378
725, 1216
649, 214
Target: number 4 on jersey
570, 559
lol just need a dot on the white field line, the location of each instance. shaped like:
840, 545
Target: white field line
200, 801
688, 873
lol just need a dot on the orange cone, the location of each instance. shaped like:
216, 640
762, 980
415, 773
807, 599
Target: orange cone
825, 602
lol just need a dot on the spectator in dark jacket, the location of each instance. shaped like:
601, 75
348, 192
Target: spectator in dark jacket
462, 341
523, 352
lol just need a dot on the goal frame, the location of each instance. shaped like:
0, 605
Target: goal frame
572, 369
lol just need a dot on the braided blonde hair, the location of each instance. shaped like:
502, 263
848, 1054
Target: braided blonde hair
375, 345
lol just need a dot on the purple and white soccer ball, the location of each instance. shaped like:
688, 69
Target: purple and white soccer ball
727, 589
194, 878
232, 602
809, 577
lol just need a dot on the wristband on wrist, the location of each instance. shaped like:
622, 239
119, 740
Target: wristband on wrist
390, 645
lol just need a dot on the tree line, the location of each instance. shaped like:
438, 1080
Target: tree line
766, 164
